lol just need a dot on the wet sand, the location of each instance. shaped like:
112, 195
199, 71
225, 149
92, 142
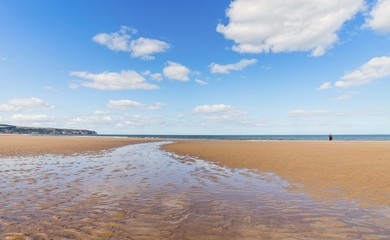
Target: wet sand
141, 192
29, 145
355, 170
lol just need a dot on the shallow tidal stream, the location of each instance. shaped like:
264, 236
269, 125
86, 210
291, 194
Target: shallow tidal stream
142, 192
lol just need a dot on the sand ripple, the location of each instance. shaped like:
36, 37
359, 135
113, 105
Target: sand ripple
141, 192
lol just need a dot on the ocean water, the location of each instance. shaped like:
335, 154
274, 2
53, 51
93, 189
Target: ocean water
361, 137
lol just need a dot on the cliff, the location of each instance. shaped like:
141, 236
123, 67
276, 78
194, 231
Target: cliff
10, 129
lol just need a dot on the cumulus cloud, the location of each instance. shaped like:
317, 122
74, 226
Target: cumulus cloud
379, 17
217, 108
29, 102
142, 120
258, 26
301, 113
126, 79
201, 82
7, 108
143, 48
156, 106
91, 120
222, 114
374, 69
218, 68
31, 118
344, 97
325, 86
176, 71
100, 112
124, 104
117, 41
153, 76
219, 111
18, 104
156, 76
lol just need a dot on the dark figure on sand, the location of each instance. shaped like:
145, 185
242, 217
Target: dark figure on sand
330, 137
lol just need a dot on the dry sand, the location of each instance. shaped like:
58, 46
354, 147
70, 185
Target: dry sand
28, 145
357, 170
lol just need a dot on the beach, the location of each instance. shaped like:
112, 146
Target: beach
352, 169
63, 187
30, 145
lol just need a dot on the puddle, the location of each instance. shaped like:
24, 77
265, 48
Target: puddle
141, 192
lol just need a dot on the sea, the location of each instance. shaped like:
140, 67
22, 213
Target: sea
346, 137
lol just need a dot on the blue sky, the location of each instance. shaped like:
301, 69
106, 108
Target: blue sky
197, 67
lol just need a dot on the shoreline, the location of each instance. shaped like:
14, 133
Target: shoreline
355, 170
18, 145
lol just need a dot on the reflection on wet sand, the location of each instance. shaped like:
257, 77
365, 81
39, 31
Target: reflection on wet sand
141, 192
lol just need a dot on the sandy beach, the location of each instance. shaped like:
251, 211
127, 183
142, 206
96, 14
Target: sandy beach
356, 170
80, 191
29, 145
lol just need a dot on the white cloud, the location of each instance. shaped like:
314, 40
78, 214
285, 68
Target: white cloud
222, 110
224, 115
118, 41
29, 103
18, 104
126, 79
100, 112
31, 118
156, 106
374, 69
143, 48
124, 104
301, 113
146, 73
325, 86
176, 71
218, 108
91, 120
156, 76
218, 68
7, 108
201, 82
142, 120
344, 97
379, 17
258, 26
360, 114
153, 76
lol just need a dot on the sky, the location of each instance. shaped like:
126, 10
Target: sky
197, 66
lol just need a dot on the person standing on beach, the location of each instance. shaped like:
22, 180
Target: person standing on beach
330, 137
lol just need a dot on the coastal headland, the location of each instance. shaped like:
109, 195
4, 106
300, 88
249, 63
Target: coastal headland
356, 170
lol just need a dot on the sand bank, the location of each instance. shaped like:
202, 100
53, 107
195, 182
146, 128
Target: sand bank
357, 170
27, 145
140, 192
